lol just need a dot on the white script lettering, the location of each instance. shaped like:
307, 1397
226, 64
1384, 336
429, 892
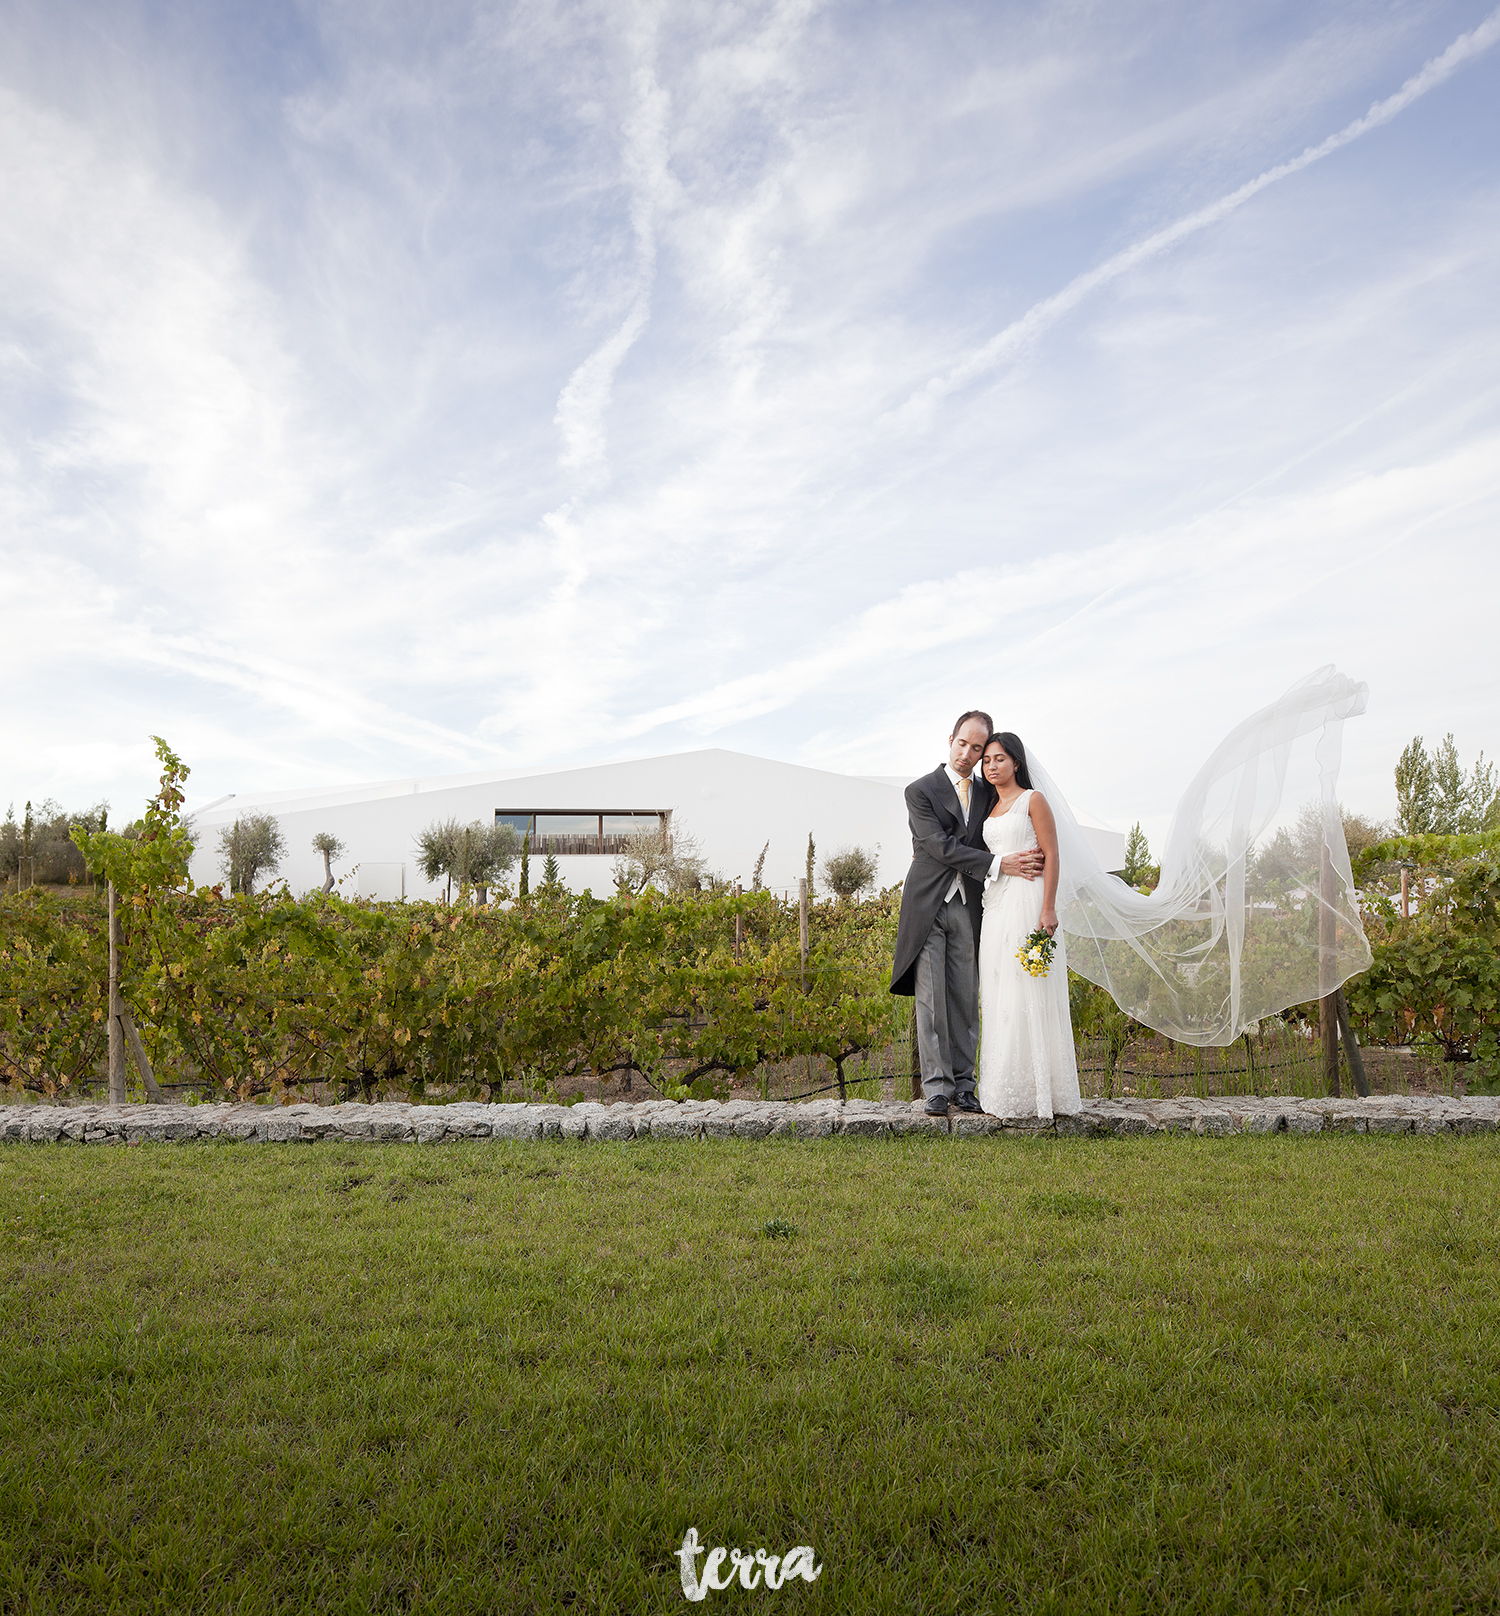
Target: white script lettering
778, 1568
687, 1557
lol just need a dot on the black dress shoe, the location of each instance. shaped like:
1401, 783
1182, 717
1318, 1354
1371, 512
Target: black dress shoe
968, 1102
937, 1107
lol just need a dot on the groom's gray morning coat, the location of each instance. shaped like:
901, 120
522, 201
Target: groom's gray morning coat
940, 844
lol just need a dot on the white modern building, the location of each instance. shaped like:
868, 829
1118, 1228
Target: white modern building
731, 804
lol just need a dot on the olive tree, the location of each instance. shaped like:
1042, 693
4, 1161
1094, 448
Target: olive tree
490, 857
665, 857
847, 871
251, 847
326, 843
473, 855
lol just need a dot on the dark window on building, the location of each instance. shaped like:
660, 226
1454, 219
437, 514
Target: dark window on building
629, 824
570, 831
567, 824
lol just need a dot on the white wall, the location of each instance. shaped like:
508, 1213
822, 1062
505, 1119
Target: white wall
733, 804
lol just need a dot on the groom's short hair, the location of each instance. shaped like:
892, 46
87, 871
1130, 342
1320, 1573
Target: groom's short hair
974, 712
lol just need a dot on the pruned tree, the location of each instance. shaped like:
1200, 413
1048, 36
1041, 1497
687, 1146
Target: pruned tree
491, 857
665, 858
436, 852
760, 865
1360, 832
849, 870
473, 855
326, 843
251, 847
812, 852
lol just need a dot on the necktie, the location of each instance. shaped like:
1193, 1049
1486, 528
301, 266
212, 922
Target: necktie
963, 795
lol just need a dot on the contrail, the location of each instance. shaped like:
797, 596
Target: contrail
1040, 315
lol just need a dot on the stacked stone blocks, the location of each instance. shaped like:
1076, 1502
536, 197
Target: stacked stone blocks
399, 1123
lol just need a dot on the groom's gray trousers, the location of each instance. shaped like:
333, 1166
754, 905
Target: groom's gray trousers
947, 993
936, 940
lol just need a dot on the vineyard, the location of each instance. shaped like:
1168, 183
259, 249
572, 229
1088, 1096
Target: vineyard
249, 995
265, 995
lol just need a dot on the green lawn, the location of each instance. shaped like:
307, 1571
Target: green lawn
990, 1375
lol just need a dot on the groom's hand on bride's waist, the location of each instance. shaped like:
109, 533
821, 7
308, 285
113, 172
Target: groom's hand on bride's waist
1028, 863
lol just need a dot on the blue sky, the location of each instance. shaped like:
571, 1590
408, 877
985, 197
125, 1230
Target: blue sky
403, 389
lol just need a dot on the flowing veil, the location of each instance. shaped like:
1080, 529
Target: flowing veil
1250, 916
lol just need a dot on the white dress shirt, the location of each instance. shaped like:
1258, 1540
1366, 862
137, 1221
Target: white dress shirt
958, 881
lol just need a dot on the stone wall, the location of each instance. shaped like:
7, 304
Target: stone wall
709, 1119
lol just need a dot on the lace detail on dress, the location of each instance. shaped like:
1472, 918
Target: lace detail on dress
1027, 1063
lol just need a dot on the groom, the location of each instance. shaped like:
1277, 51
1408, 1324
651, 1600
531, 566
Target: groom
937, 938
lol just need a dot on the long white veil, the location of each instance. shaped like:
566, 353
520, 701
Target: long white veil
1250, 915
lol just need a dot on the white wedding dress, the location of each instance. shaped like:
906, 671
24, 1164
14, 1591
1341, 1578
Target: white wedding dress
1027, 1064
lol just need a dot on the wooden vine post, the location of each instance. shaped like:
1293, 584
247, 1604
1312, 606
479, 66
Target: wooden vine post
802, 941
116, 1005
802, 925
1351, 1046
124, 1040
1327, 986
914, 1052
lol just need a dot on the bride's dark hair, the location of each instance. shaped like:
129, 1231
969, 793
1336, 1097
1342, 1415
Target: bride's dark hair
1010, 744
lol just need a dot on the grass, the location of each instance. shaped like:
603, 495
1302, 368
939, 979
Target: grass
1228, 1375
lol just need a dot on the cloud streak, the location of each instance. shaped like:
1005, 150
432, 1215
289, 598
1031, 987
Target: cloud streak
1007, 344
445, 388
584, 401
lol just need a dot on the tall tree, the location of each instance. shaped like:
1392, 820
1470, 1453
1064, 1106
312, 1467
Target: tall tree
1137, 855
811, 854
1449, 794
1435, 794
1415, 790
1463, 801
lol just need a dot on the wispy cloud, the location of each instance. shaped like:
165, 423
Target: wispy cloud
646, 173
400, 394
1020, 332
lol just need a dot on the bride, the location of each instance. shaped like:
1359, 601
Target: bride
1027, 1065
1218, 945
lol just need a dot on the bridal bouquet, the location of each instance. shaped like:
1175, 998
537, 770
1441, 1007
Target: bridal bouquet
1035, 954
